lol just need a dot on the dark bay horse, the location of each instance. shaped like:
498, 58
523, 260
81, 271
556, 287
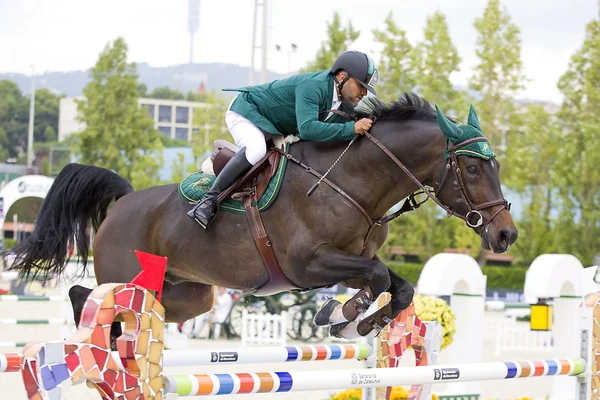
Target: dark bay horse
319, 240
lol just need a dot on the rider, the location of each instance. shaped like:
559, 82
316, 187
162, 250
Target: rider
291, 106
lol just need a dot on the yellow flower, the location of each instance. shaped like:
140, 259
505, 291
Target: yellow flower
436, 309
398, 393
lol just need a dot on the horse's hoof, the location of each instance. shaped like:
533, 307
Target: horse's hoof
335, 330
373, 324
113, 343
349, 330
323, 316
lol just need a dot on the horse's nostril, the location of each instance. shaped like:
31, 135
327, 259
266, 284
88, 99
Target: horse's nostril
507, 235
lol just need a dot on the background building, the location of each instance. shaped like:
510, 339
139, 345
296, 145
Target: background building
173, 118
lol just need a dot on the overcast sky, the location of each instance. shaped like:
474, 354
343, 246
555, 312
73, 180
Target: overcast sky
64, 35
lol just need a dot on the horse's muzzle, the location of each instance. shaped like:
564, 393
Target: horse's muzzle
499, 241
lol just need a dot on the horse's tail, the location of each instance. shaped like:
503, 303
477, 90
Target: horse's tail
77, 201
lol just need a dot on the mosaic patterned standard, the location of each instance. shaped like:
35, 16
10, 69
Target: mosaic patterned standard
137, 373
593, 301
404, 332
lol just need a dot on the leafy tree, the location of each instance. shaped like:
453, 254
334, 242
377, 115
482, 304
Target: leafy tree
46, 116
498, 76
179, 168
436, 58
338, 39
576, 171
4, 145
142, 90
119, 134
396, 67
14, 117
530, 161
210, 121
423, 231
165, 92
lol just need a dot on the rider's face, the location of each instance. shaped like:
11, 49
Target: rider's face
353, 91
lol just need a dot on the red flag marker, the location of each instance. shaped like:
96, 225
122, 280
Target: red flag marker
152, 276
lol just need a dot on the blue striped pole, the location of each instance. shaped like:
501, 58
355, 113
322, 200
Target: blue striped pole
277, 382
252, 355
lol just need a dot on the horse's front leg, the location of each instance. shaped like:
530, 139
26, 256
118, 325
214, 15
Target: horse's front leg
332, 265
401, 297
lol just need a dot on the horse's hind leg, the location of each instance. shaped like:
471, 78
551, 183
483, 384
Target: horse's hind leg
186, 300
182, 301
78, 295
333, 265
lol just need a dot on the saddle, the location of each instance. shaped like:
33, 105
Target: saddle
256, 179
249, 189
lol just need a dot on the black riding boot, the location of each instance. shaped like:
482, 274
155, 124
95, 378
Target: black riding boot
207, 207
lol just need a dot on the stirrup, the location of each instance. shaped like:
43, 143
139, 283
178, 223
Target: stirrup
192, 213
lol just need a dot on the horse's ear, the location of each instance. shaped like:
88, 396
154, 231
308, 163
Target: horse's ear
473, 119
449, 129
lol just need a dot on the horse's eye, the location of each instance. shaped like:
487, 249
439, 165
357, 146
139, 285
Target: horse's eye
472, 169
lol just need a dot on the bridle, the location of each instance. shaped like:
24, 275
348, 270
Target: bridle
452, 164
475, 208
410, 203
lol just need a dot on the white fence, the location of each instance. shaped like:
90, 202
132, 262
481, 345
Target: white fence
510, 336
264, 329
515, 340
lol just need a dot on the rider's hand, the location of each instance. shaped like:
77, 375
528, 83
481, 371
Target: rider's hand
363, 125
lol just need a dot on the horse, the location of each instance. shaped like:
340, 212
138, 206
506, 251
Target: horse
319, 240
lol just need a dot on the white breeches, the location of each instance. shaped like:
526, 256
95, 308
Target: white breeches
247, 135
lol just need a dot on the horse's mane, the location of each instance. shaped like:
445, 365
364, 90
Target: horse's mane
410, 106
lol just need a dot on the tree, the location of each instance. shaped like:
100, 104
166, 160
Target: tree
4, 145
498, 76
436, 58
179, 169
14, 117
529, 163
576, 171
210, 121
338, 40
165, 92
46, 116
396, 66
423, 232
119, 134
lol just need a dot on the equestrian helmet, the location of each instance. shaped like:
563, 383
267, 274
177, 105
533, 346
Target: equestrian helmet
360, 66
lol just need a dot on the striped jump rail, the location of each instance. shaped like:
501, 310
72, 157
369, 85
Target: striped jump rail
252, 355
256, 355
16, 298
281, 382
13, 344
51, 321
11, 362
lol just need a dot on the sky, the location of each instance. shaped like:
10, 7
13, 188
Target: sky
67, 35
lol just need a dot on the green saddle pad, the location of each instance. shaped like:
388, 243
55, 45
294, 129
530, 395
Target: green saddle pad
194, 186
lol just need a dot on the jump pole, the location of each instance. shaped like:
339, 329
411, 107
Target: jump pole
13, 362
278, 382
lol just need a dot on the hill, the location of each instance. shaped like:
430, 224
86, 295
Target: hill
185, 77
